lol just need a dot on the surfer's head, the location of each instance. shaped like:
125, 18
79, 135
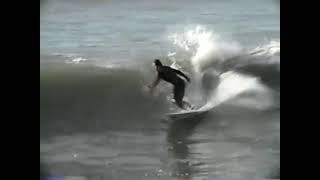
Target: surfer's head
157, 62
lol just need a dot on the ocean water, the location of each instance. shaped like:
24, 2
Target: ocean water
98, 120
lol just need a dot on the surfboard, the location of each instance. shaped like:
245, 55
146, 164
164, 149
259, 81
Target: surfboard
186, 114
191, 113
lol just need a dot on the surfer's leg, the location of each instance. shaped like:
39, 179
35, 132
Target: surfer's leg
179, 93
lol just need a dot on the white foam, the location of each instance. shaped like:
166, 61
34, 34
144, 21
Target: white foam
76, 60
209, 50
206, 47
233, 84
271, 48
269, 53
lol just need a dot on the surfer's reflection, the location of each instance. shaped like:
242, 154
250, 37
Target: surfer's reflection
178, 134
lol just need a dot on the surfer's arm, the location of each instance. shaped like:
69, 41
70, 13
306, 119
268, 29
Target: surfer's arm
155, 83
182, 74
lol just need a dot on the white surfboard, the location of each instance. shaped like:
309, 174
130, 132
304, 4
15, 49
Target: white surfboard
185, 114
189, 114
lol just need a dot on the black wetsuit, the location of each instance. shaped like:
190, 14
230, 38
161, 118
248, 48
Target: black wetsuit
171, 75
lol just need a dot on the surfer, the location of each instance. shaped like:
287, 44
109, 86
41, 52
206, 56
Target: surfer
170, 75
